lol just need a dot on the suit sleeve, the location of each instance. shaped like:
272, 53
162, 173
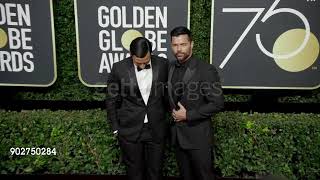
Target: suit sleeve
113, 99
212, 91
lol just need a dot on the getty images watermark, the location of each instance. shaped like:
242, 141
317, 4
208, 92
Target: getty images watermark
194, 90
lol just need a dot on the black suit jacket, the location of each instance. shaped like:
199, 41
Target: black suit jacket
202, 98
125, 106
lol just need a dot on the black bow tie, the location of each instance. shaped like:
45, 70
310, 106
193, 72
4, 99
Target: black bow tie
147, 66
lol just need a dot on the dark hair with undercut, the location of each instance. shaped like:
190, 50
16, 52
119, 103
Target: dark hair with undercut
140, 47
181, 30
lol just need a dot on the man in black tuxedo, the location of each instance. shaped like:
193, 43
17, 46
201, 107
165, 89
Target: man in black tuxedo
195, 95
136, 108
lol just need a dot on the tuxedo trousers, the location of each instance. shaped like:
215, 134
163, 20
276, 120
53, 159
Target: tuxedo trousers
195, 164
144, 157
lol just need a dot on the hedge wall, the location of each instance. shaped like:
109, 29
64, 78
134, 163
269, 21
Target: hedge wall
68, 86
247, 145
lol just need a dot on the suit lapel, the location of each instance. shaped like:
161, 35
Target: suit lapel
189, 71
133, 78
188, 75
155, 74
171, 70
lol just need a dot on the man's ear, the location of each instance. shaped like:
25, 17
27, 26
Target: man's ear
191, 44
133, 58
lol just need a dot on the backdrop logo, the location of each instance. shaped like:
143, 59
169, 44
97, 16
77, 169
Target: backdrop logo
20, 52
276, 48
105, 30
17, 38
151, 18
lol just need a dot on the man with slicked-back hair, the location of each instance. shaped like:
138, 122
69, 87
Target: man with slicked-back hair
136, 108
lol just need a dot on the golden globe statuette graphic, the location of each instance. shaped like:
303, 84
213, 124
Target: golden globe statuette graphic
289, 41
3, 38
128, 37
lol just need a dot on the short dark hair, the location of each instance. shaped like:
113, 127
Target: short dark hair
140, 47
181, 30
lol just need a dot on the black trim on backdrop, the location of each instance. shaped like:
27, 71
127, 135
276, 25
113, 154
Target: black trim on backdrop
18, 105
85, 177
263, 101
255, 105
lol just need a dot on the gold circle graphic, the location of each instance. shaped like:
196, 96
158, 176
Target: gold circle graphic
3, 38
128, 37
288, 42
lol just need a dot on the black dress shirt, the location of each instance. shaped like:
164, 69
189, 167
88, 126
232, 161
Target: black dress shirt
177, 83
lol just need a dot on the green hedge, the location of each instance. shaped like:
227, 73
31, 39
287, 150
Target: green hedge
247, 145
68, 85
287, 144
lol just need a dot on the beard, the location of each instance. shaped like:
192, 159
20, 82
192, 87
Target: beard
181, 56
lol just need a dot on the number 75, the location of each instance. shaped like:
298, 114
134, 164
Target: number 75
272, 11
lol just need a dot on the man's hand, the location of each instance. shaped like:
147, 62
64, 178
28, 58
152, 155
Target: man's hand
115, 133
181, 114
